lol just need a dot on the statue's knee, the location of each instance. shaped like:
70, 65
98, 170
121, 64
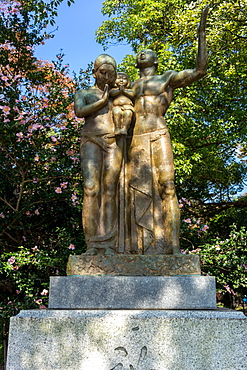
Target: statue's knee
169, 188
91, 190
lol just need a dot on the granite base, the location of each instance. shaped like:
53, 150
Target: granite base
132, 292
124, 340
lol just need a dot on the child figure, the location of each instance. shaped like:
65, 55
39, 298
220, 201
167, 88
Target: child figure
123, 107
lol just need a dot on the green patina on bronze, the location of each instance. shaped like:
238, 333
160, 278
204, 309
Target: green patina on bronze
134, 265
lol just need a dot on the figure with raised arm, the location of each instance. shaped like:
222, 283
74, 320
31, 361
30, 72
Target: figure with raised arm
155, 220
101, 159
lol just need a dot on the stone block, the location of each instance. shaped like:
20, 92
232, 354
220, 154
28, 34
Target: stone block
132, 292
124, 340
134, 265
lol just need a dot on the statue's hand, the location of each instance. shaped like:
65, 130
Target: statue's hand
105, 95
202, 24
121, 88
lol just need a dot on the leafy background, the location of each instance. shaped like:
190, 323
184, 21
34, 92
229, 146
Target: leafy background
40, 183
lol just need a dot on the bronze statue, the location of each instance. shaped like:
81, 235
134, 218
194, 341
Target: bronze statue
130, 205
156, 221
101, 159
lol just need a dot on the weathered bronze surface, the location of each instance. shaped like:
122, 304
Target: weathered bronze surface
130, 205
134, 265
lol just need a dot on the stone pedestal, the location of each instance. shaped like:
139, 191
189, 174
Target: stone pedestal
133, 292
118, 320
124, 340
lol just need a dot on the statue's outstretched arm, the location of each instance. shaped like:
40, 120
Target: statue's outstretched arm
82, 109
186, 77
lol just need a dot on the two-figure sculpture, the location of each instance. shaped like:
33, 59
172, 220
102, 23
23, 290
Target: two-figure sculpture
130, 205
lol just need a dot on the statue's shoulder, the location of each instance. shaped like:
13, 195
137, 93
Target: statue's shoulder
84, 92
167, 74
87, 95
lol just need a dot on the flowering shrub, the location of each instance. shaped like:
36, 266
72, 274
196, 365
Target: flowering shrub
40, 183
227, 261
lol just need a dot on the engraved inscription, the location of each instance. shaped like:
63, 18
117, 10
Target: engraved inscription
140, 363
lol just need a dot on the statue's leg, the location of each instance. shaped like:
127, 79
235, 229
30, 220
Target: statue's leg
111, 171
127, 119
164, 169
91, 163
117, 115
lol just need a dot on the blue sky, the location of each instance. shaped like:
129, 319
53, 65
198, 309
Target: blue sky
76, 35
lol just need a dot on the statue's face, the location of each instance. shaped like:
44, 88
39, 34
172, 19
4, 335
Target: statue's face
146, 58
122, 79
105, 74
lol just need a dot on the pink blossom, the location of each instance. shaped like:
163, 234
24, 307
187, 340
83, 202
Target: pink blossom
71, 246
36, 211
19, 135
35, 126
42, 306
44, 292
64, 184
11, 260
38, 301
35, 180
28, 213
36, 158
75, 159
2, 215
53, 138
35, 248
187, 220
205, 228
73, 197
24, 238
58, 190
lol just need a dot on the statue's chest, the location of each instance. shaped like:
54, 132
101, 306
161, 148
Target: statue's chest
147, 87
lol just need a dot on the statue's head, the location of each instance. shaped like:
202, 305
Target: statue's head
122, 79
104, 70
146, 58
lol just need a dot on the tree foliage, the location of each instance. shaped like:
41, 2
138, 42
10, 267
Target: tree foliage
40, 182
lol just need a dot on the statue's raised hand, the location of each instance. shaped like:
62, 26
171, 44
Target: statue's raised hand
202, 25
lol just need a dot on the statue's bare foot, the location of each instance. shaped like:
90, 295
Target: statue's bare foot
109, 251
91, 251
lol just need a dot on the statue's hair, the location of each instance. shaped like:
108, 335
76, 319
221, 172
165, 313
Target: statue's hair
104, 59
123, 73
